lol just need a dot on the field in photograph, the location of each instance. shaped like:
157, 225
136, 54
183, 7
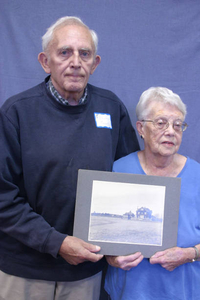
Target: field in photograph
113, 229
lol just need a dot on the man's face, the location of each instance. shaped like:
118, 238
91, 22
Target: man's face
70, 60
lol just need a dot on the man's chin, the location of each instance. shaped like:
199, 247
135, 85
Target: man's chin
76, 88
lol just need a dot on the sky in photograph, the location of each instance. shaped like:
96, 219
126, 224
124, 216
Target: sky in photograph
119, 198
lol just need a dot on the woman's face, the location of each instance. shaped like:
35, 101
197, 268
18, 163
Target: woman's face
166, 141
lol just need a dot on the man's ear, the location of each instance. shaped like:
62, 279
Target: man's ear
43, 60
96, 62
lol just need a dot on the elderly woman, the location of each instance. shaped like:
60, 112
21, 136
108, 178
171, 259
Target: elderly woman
173, 274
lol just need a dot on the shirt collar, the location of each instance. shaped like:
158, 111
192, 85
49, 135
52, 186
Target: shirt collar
59, 98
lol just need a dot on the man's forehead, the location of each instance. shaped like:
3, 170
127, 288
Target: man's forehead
73, 33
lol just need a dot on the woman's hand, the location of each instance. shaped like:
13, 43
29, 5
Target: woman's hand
172, 258
125, 262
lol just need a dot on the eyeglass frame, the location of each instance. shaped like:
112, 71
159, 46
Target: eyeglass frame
166, 125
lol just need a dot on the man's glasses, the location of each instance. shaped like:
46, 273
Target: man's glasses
164, 124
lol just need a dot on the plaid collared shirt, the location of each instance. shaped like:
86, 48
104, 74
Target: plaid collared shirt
59, 98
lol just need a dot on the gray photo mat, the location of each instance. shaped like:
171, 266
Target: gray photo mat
91, 207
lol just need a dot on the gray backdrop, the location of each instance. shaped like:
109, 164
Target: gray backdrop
142, 43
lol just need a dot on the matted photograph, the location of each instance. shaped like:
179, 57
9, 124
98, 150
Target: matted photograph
126, 213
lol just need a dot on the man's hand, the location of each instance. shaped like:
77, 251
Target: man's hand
76, 251
125, 262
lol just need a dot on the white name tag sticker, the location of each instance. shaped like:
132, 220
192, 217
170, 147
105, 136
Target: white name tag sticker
103, 120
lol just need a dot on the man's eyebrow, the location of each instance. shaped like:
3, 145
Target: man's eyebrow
81, 48
64, 48
71, 49
86, 49
59, 50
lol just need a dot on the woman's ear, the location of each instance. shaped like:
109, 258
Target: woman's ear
140, 128
43, 60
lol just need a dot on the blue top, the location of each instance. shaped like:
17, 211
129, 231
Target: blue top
151, 282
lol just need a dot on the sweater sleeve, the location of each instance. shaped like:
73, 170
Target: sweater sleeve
127, 141
17, 217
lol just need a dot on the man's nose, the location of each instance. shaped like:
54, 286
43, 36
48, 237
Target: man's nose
75, 60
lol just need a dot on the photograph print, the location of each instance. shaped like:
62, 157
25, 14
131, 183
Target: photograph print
127, 213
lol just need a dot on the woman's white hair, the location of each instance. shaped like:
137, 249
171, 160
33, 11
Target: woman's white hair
62, 22
158, 94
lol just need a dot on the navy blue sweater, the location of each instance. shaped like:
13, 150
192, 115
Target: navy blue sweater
42, 145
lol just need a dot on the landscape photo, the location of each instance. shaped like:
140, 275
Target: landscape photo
127, 213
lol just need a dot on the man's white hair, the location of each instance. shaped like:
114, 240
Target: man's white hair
64, 21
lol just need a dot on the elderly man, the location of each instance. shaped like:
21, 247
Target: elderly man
47, 133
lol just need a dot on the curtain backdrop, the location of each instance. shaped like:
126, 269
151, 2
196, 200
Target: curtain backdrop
142, 43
